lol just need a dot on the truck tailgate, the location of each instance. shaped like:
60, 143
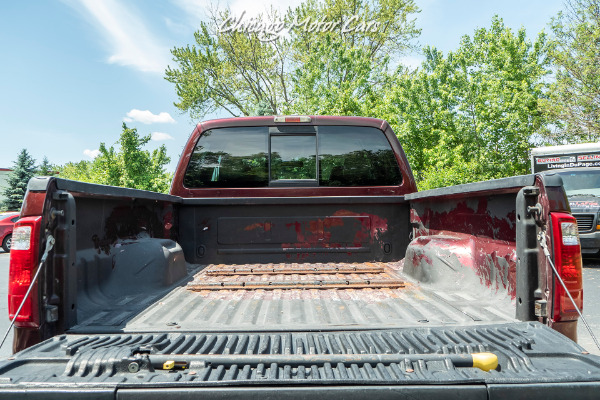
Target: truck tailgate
533, 360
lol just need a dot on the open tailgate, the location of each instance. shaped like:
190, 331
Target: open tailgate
533, 362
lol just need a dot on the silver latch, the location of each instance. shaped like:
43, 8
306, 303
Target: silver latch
541, 308
51, 313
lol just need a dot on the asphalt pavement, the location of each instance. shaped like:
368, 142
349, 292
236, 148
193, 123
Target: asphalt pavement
591, 307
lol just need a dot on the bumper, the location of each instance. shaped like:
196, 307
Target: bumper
590, 242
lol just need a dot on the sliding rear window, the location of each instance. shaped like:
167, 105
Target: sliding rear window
356, 156
295, 156
231, 157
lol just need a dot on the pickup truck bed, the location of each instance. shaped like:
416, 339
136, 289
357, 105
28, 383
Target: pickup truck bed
322, 273
219, 309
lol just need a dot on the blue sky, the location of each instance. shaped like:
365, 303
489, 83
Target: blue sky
72, 71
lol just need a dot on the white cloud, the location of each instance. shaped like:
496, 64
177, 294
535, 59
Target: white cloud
91, 153
159, 136
129, 42
146, 117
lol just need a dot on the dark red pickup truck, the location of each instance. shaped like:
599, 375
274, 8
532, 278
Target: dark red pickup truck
294, 257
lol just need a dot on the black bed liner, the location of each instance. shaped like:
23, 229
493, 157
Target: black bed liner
101, 363
176, 308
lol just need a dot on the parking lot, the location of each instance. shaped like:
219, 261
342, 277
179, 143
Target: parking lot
591, 287
591, 296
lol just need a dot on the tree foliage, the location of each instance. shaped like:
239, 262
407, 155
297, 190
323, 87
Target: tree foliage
77, 171
470, 115
45, 168
243, 74
23, 170
338, 79
127, 166
230, 71
575, 94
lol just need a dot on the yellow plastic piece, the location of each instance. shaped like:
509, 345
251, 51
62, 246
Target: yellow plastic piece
485, 361
169, 365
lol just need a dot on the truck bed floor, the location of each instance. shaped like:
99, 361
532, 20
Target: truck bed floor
188, 307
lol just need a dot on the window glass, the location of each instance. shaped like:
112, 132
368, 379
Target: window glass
581, 182
238, 157
15, 219
293, 157
229, 157
356, 156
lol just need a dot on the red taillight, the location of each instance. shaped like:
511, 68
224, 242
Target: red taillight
24, 258
567, 259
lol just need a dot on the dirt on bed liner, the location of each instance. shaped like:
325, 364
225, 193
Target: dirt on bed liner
298, 276
297, 308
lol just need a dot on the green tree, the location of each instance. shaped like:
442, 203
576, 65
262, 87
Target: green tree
575, 94
263, 108
23, 170
467, 116
380, 27
472, 114
77, 171
337, 78
45, 168
127, 166
244, 74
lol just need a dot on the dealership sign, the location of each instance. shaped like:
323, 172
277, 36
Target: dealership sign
561, 161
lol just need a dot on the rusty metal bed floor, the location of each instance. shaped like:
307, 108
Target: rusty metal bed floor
300, 297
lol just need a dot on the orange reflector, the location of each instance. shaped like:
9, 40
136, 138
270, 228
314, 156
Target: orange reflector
295, 118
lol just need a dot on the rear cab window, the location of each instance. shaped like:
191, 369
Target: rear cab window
281, 156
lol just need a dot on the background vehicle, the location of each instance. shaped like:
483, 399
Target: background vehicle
7, 220
294, 256
579, 167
